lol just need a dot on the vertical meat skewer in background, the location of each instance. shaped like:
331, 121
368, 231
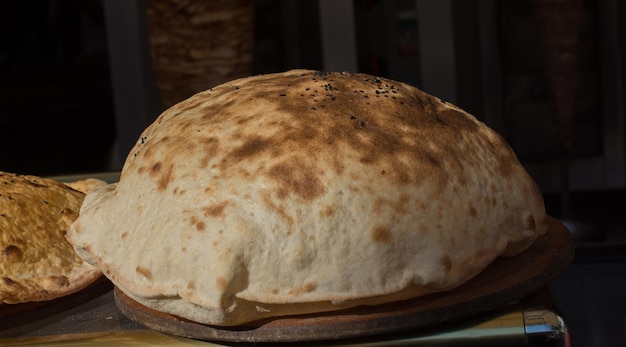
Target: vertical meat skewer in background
558, 23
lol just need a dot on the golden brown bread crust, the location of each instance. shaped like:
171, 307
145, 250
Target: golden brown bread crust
305, 192
85, 185
36, 261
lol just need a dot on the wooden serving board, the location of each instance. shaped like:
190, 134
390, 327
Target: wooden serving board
506, 280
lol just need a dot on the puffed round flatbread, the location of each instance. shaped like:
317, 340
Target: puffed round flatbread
303, 192
36, 261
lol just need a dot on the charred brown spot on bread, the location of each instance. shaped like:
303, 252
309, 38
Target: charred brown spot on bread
165, 179
304, 289
251, 147
328, 211
204, 162
162, 175
35, 183
155, 170
8, 282
296, 177
198, 224
210, 146
398, 205
216, 210
11, 253
57, 282
381, 234
472, 210
69, 213
221, 282
148, 152
145, 272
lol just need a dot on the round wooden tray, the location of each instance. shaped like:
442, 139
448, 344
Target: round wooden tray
505, 280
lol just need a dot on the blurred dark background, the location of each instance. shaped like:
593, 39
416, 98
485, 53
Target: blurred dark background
56, 109
78, 83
